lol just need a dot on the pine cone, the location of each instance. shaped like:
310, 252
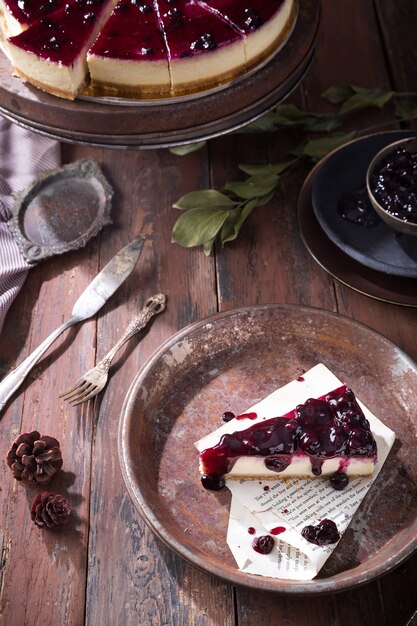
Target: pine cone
34, 459
49, 510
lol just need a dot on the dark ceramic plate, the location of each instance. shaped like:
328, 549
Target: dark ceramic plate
386, 287
379, 247
230, 362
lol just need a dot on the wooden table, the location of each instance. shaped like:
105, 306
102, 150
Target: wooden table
106, 567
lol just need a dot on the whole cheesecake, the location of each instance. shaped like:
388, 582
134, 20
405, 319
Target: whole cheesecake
141, 47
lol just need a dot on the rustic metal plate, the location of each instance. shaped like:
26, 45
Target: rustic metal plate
230, 362
162, 123
61, 210
394, 289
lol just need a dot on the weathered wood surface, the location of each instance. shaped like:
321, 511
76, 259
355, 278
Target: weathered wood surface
107, 567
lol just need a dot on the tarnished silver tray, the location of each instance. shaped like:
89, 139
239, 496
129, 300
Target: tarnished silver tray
162, 123
61, 210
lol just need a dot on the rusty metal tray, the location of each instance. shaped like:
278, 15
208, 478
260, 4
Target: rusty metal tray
229, 362
121, 123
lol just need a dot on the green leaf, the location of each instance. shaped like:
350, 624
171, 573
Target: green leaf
277, 168
288, 115
405, 109
188, 148
234, 222
198, 226
337, 93
318, 148
265, 199
203, 199
355, 98
364, 98
208, 246
254, 186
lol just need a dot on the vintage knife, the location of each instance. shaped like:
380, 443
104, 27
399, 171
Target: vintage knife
91, 300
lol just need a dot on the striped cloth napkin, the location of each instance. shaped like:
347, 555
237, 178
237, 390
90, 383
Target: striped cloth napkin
23, 154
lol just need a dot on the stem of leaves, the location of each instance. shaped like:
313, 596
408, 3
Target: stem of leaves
210, 214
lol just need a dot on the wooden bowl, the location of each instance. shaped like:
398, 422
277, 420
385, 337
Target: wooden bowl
229, 362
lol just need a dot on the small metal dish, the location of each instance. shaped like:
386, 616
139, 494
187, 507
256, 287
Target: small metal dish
403, 226
61, 210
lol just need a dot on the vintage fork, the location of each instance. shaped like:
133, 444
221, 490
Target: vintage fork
93, 381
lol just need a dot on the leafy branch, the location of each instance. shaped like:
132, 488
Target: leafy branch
208, 214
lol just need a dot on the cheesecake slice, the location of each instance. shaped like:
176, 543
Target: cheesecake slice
17, 15
313, 426
51, 54
264, 24
129, 55
204, 50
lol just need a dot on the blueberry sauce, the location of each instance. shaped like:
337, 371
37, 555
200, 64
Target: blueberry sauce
266, 488
214, 483
277, 463
277, 530
249, 416
192, 29
356, 208
339, 480
323, 428
324, 533
264, 544
394, 184
251, 530
28, 11
247, 15
228, 416
132, 33
62, 36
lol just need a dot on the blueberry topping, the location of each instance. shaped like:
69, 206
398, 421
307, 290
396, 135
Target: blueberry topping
264, 544
277, 463
228, 416
394, 184
143, 7
252, 19
339, 481
176, 18
47, 22
213, 483
204, 42
53, 44
357, 208
323, 428
324, 533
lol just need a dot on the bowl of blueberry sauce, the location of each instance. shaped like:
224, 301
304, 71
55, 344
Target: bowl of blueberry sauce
391, 182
